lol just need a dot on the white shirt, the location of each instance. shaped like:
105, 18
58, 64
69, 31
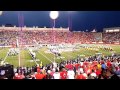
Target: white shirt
81, 63
54, 65
15, 70
71, 74
56, 75
49, 71
93, 74
81, 70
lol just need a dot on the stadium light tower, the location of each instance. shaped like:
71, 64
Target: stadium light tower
19, 38
70, 20
1, 12
54, 15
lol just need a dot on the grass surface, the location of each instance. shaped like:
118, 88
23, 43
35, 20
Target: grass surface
47, 58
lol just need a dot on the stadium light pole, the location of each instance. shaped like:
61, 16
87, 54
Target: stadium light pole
54, 15
70, 20
1, 12
20, 24
70, 23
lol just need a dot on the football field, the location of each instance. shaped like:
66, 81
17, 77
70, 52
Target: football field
25, 59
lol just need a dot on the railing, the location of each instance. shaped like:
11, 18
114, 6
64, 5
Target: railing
33, 28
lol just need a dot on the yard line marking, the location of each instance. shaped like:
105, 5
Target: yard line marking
45, 57
4, 58
19, 57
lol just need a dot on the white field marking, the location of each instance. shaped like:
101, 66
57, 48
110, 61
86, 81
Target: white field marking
33, 60
45, 57
60, 57
19, 57
5, 57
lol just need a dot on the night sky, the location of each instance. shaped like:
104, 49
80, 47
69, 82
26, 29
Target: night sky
81, 20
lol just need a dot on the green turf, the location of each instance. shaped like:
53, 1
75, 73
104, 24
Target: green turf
41, 55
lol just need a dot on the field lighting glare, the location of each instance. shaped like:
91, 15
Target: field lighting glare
54, 14
1, 12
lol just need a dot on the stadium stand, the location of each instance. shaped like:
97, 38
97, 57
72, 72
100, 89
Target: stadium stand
8, 36
90, 68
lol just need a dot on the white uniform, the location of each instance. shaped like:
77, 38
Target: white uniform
56, 75
71, 74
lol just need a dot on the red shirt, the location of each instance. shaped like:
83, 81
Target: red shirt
98, 72
81, 76
94, 68
109, 64
66, 66
77, 65
85, 63
39, 76
63, 74
102, 62
82, 66
70, 66
95, 62
87, 70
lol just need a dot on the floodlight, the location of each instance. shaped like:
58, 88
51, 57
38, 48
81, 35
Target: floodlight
54, 14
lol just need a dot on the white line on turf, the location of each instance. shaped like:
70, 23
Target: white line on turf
19, 57
5, 58
45, 57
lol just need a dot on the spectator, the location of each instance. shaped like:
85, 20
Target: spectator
93, 74
70, 74
56, 75
39, 75
63, 74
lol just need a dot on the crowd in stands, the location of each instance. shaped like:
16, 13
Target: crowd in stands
89, 68
27, 37
8, 37
111, 38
